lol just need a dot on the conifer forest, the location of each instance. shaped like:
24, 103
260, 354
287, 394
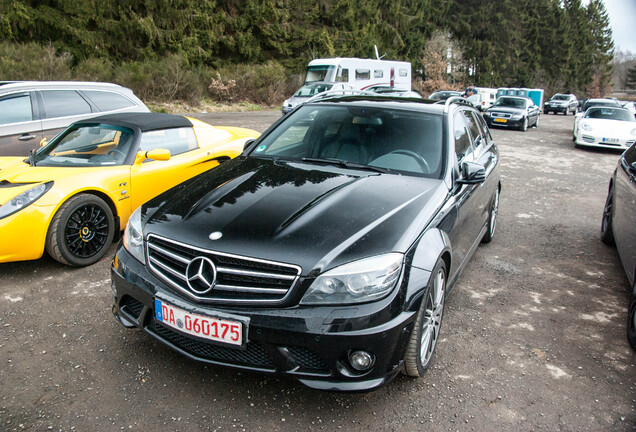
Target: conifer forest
192, 48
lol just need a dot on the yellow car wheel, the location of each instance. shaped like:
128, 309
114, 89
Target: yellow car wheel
81, 231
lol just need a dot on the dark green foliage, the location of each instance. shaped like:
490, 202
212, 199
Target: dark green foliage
631, 78
172, 48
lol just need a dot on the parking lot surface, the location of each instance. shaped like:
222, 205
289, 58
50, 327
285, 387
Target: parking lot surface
533, 336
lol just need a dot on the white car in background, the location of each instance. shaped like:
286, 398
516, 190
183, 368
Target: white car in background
590, 103
606, 127
631, 107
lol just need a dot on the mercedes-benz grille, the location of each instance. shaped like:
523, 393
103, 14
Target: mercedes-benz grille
231, 278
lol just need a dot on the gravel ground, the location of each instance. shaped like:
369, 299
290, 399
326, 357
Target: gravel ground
533, 335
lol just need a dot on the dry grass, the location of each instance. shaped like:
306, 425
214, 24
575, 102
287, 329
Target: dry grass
204, 106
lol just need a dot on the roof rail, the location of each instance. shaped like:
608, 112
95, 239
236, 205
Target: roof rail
456, 99
340, 92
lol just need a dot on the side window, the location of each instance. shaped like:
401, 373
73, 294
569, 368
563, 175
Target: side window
64, 103
378, 73
630, 155
403, 72
178, 140
108, 101
343, 75
475, 131
363, 74
462, 139
15, 109
482, 123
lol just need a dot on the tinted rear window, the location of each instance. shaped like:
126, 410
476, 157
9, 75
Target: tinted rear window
108, 101
64, 103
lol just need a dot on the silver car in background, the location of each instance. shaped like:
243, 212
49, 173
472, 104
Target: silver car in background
34, 110
310, 90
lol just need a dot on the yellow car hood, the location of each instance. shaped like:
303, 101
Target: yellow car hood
16, 176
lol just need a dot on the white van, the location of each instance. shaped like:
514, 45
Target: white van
360, 73
488, 96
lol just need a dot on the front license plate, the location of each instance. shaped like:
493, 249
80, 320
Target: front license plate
610, 140
214, 329
501, 120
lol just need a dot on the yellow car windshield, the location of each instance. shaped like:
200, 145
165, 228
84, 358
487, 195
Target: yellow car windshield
87, 145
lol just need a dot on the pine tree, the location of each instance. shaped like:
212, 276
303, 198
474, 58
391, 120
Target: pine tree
631, 78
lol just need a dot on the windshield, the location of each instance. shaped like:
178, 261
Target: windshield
320, 73
560, 97
443, 95
608, 113
511, 102
87, 145
312, 89
608, 103
359, 137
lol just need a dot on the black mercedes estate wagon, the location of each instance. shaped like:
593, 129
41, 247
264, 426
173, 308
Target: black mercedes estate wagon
325, 251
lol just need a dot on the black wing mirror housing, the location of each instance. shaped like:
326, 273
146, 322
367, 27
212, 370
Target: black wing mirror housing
248, 143
472, 173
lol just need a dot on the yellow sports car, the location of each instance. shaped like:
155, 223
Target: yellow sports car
74, 195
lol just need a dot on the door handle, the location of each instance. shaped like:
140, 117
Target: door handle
26, 137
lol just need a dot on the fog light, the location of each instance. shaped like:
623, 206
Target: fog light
361, 360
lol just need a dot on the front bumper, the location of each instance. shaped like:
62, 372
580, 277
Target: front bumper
310, 344
509, 123
591, 140
555, 109
23, 233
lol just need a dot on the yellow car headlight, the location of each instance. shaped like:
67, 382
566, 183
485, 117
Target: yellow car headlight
24, 199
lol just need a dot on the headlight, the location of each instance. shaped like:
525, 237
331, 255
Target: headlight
359, 281
586, 127
133, 237
516, 116
24, 199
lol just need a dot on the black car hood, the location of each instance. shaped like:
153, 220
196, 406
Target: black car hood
314, 216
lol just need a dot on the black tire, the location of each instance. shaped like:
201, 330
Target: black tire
536, 124
524, 125
607, 231
631, 323
546, 112
492, 218
81, 231
425, 334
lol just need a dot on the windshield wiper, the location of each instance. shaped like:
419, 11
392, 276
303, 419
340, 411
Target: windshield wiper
345, 164
31, 158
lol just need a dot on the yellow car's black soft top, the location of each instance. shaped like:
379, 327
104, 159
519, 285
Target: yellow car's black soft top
143, 121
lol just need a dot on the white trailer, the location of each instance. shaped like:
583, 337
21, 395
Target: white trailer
360, 73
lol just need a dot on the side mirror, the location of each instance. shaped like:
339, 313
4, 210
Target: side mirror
43, 142
157, 154
472, 173
248, 143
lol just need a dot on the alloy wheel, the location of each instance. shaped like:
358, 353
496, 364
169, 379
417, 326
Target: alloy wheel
432, 319
86, 231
